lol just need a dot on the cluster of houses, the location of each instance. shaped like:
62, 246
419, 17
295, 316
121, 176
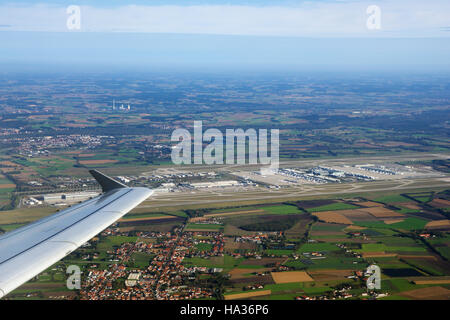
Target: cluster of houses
165, 276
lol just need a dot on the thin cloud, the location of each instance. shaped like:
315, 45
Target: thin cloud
324, 18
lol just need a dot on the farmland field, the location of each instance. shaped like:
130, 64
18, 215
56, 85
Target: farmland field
332, 217
332, 207
407, 224
291, 276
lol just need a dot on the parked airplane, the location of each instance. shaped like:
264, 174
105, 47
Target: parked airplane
29, 250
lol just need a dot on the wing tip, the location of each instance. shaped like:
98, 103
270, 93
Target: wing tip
107, 183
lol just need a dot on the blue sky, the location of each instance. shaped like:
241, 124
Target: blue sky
281, 34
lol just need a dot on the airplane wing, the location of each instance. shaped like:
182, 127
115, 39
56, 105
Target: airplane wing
29, 250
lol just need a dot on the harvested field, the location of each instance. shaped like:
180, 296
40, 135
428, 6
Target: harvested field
409, 205
381, 212
391, 221
353, 228
440, 203
438, 224
97, 161
332, 217
330, 275
291, 276
85, 155
378, 254
8, 185
443, 281
356, 215
431, 293
249, 294
9, 164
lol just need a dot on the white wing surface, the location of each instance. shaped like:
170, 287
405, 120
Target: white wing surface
29, 250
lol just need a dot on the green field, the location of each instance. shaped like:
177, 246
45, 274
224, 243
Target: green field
392, 199
114, 241
226, 262
282, 209
203, 247
380, 247
406, 210
274, 209
407, 224
141, 259
11, 227
332, 207
142, 215
278, 252
205, 226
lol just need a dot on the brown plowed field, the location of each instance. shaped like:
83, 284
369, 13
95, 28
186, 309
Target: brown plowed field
332, 217
249, 294
431, 293
291, 276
